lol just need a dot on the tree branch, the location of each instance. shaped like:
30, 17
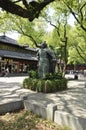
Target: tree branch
80, 54
83, 6
17, 1
80, 10
57, 28
31, 12
25, 3
74, 14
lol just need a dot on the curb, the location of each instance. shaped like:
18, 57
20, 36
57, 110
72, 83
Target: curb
11, 106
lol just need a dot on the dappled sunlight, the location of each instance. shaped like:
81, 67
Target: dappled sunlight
71, 100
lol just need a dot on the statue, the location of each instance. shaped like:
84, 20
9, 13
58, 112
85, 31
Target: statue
45, 60
52, 60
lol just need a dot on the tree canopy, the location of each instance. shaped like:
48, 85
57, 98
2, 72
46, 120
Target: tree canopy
28, 10
56, 14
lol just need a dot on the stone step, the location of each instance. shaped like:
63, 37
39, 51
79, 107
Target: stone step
69, 120
11, 105
45, 111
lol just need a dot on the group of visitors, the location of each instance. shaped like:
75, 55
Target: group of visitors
5, 72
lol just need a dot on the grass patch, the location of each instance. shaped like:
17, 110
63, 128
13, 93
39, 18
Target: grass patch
25, 120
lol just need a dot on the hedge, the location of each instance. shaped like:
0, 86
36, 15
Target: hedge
45, 86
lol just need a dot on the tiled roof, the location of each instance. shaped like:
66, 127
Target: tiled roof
6, 39
11, 41
17, 55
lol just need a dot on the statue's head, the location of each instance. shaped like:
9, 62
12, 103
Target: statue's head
44, 44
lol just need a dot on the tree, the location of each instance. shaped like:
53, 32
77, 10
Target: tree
77, 46
33, 32
30, 32
59, 20
29, 10
63, 9
78, 9
33, 9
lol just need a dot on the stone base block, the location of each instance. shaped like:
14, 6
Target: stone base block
47, 112
66, 119
11, 106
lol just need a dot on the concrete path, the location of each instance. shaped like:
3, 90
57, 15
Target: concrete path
10, 91
72, 101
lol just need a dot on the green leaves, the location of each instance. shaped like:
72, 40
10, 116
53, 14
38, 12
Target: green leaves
77, 46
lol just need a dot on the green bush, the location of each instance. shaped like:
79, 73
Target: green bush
46, 86
49, 76
40, 85
52, 82
61, 84
57, 75
33, 74
25, 82
60, 87
34, 84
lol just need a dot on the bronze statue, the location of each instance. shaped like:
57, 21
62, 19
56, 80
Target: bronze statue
46, 59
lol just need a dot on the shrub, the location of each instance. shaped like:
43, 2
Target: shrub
33, 74
48, 86
40, 85
25, 82
49, 76
57, 75
34, 84
52, 82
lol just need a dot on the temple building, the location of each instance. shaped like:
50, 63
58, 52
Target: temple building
15, 57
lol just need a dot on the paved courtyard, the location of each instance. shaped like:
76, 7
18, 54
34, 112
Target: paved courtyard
10, 88
72, 101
